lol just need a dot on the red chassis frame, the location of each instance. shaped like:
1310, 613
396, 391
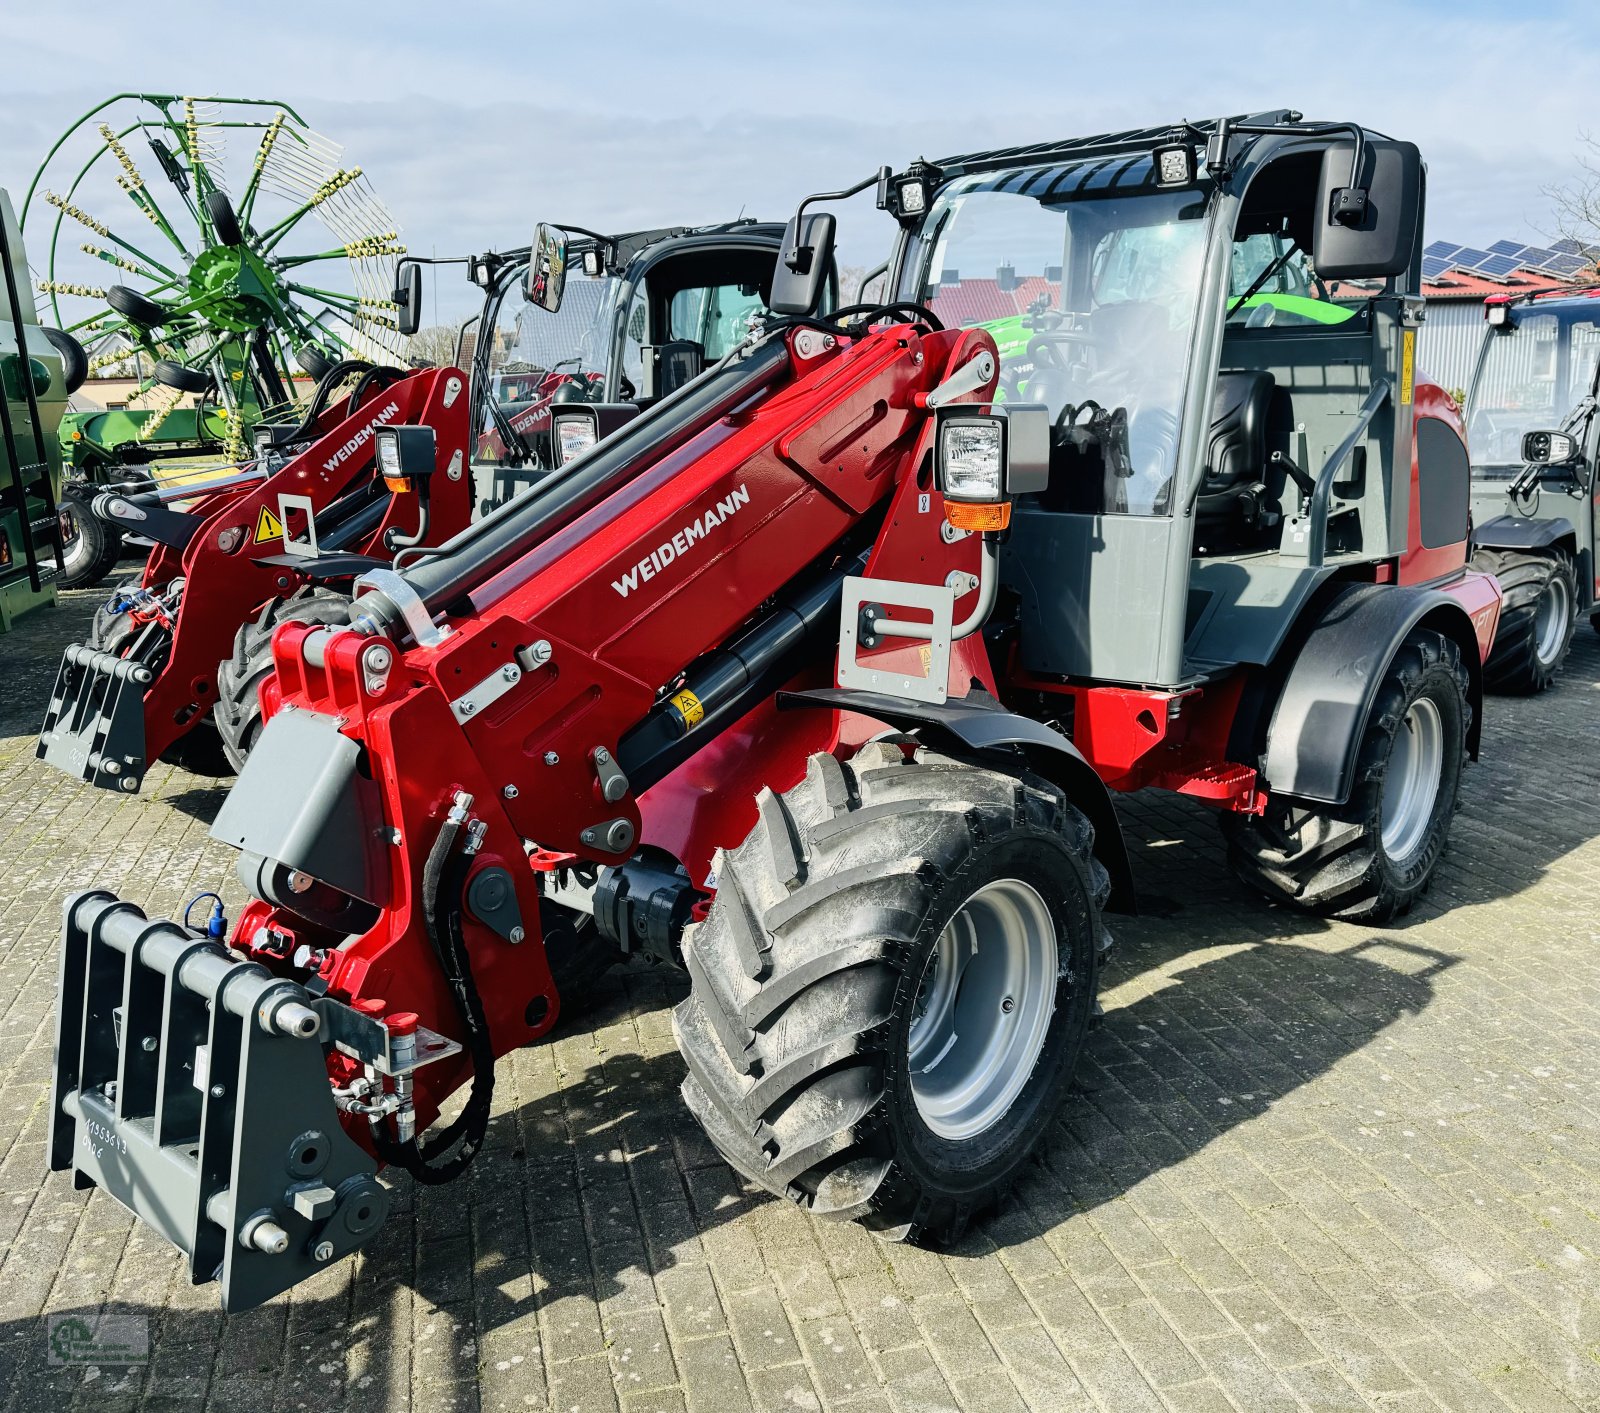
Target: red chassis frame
229, 573
841, 442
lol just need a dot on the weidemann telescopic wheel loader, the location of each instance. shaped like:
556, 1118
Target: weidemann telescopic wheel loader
814, 677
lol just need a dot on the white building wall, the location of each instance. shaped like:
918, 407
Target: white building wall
1447, 347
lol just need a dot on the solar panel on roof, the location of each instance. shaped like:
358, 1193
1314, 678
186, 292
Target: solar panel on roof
1507, 247
1470, 258
1567, 247
1442, 248
1433, 266
1566, 265
1497, 266
1535, 255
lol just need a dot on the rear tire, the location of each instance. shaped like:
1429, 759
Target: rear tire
1371, 859
891, 990
1536, 617
89, 547
237, 712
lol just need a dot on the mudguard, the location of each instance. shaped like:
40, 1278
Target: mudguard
1512, 532
1321, 714
978, 723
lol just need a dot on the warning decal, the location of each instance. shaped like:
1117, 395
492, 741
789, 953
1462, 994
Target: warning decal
689, 708
268, 527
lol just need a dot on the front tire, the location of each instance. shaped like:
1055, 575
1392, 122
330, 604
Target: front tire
1371, 859
89, 547
237, 711
1536, 618
892, 987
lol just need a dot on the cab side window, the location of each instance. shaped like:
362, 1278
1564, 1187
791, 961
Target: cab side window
714, 316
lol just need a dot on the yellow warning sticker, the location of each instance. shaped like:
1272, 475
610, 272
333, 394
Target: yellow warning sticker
689, 708
1408, 365
268, 527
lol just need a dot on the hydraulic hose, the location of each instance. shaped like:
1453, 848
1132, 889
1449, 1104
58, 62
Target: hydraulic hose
444, 879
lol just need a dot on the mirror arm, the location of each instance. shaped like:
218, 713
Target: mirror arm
801, 265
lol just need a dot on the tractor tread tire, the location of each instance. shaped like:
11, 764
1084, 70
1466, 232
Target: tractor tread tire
135, 307
806, 970
1513, 664
237, 712
93, 552
1330, 861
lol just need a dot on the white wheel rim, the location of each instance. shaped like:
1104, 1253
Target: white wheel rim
983, 1009
1411, 784
1550, 619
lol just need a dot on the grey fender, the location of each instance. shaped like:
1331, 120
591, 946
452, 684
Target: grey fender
978, 725
1322, 712
1513, 532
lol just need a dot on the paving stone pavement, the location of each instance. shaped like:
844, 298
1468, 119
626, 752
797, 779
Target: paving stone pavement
1311, 1166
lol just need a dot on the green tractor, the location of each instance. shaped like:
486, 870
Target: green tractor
218, 300
39, 367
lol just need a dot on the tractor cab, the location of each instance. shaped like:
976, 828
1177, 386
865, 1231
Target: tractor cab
635, 317
1227, 437
1531, 427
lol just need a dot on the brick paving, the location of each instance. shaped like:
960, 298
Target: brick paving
1311, 1166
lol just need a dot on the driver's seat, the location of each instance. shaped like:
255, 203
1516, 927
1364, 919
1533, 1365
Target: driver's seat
1236, 457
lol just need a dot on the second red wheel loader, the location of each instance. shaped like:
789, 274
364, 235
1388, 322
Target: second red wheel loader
813, 678
312, 511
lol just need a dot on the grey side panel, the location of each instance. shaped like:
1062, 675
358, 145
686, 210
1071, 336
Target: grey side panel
1323, 709
1519, 532
1092, 589
301, 800
978, 724
1241, 610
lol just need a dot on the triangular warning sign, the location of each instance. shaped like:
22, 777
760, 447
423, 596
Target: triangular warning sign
268, 527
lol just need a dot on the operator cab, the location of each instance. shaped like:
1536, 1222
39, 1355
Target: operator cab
636, 317
1225, 413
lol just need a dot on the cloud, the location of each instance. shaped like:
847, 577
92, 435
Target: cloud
475, 122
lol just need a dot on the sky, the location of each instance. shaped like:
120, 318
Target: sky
475, 121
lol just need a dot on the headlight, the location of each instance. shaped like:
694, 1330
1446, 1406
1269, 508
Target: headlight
972, 459
575, 434
388, 445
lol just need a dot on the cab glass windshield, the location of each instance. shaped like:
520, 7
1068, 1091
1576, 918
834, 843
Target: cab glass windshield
1530, 380
1088, 277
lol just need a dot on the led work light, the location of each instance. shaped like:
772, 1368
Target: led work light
575, 432
405, 455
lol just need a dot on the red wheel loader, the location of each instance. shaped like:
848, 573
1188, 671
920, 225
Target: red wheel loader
284, 535
815, 679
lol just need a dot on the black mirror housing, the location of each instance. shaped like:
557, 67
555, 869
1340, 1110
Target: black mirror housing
547, 268
408, 297
1549, 448
1366, 222
804, 262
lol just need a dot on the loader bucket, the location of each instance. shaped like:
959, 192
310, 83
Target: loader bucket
94, 726
192, 1087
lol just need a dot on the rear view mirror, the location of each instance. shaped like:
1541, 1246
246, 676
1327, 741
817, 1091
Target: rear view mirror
408, 297
1549, 448
1366, 222
547, 268
804, 261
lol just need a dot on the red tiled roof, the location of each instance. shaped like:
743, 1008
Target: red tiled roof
978, 301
